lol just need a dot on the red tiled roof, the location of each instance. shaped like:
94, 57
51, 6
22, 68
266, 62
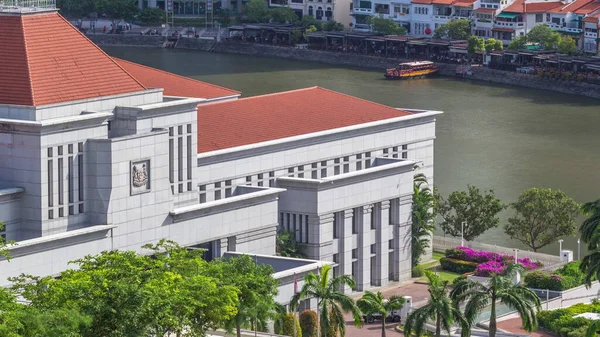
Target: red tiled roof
485, 10
590, 19
422, 2
464, 3
588, 8
533, 7
570, 7
174, 85
281, 115
442, 2
45, 60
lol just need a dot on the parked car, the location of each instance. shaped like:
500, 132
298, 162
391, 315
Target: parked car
393, 316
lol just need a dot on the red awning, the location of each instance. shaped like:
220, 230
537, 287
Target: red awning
507, 30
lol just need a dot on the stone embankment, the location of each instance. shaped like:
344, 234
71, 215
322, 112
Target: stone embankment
363, 61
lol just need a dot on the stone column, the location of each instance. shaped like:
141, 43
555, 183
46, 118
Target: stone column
363, 274
405, 238
382, 237
344, 221
320, 237
395, 220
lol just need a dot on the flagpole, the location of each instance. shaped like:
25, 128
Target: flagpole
298, 305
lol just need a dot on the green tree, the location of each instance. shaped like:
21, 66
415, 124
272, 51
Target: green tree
544, 36
492, 44
283, 15
374, 303
593, 329
152, 16
500, 289
518, 43
479, 211
385, 26
422, 216
567, 45
453, 30
590, 234
310, 21
256, 11
331, 299
61, 322
439, 308
118, 10
286, 245
333, 26
76, 8
542, 216
475, 44
256, 289
308, 323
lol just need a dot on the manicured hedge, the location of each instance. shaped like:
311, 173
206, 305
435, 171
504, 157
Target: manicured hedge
561, 321
567, 277
458, 266
288, 326
309, 323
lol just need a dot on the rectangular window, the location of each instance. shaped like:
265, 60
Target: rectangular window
335, 227
61, 212
385, 152
373, 218
189, 157
306, 229
180, 188
260, 179
359, 162
346, 164
354, 253
189, 128
281, 221
50, 184
49, 152
189, 186
291, 171
391, 244
227, 188
171, 160
80, 172
301, 171
71, 210
367, 159
171, 132
314, 172
249, 180
323, 169
80, 208
180, 129
300, 228
373, 249
180, 158
70, 149
336, 258
404, 151
70, 178
390, 216
60, 182
202, 194
272, 179
217, 194
539, 17
288, 222
336, 166
51, 214
60, 150
355, 222
395, 151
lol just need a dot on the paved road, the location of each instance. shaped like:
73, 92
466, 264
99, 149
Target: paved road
416, 290
514, 325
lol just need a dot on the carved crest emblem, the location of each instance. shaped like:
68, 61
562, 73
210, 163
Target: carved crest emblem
139, 175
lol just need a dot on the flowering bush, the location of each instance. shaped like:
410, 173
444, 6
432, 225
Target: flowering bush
489, 262
567, 277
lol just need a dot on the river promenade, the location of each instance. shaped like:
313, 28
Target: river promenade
353, 60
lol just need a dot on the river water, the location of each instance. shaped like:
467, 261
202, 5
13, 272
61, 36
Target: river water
491, 136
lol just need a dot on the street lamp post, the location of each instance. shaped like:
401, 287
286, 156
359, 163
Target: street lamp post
560, 247
516, 254
462, 233
578, 248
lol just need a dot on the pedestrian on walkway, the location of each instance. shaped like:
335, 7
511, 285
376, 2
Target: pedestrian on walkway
104, 29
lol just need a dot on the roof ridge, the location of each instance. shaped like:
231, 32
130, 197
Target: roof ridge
170, 73
99, 49
31, 92
362, 99
243, 99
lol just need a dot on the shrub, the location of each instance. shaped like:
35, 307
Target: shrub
487, 269
457, 266
309, 323
288, 326
567, 277
418, 271
561, 321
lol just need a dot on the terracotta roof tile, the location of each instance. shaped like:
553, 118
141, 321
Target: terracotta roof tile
533, 7
442, 2
174, 85
588, 8
464, 3
281, 115
421, 2
46, 60
485, 10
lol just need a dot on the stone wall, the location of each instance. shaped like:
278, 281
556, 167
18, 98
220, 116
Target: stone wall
364, 61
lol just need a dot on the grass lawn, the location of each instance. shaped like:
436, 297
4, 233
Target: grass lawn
434, 266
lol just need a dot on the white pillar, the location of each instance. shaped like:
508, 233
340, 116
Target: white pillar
345, 243
363, 277
395, 220
382, 237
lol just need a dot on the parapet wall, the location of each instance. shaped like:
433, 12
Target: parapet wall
363, 61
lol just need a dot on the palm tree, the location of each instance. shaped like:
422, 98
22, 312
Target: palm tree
423, 213
590, 234
375, 303
331, 300
439, 308
500, 288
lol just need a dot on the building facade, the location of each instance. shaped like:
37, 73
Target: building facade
101, 153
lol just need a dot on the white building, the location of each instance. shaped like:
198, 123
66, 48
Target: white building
100, 154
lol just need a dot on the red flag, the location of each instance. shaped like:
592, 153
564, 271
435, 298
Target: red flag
295, 284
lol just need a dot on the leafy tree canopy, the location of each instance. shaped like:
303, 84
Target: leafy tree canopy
309, 21
77, 8
454, 30
152, 16
385, 26
567, 45
283, 15
479, 210
544, 36
517, 43
287, 246
492, 44
117, 10
256, 11
333, 26
542, 216
475, 44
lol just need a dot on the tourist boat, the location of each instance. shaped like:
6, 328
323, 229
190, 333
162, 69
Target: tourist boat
410, 70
